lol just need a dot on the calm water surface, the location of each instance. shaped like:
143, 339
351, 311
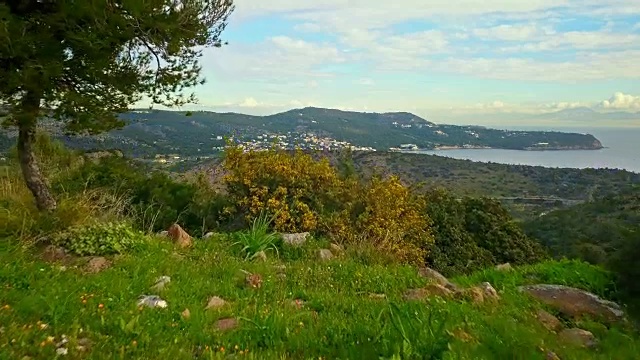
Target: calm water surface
622, 151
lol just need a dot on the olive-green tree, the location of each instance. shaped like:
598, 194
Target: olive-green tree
83, 62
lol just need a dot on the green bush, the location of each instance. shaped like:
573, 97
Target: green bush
156, 199
472, 234
99, 239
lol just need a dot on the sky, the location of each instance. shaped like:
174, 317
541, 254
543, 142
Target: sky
441, 59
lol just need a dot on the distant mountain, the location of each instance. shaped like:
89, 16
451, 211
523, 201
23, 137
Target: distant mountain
588, 114
150, 132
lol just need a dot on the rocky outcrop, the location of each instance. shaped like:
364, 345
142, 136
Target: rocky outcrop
430, 290
575, 302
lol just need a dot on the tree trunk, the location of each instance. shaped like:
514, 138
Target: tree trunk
26, 141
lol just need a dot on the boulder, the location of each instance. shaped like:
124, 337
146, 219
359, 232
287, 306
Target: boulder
489, 292
430, 290
296, 239
54, 253
577, 337
179, 236
186, 314
575, 302
325, 254
227, 324
262, 256
336, 249
97, 264
215, 302
436, 277
475, 294
504, 267
208, 235
161, 283
549, 321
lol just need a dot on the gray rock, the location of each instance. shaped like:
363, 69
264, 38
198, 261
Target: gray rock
161, 283
325, 254
504, 267
97, 264
152, 301
262, 256
209, 235
575, 302
296, 239
489, 291
215, 302
337, 249
438, 278
163, 234
578, 337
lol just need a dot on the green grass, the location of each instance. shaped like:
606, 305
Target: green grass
338, 321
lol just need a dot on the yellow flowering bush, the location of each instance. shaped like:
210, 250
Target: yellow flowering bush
387, 214
291, 186
304, 194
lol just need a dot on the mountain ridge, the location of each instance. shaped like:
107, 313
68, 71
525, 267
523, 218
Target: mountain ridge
148, 132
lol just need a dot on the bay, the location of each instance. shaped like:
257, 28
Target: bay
621, 151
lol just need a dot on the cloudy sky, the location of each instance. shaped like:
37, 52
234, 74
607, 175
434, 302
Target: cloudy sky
437, 58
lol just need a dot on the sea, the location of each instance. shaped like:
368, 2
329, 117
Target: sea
621, 151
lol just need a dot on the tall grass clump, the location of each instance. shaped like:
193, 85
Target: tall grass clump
19, 217
258, 238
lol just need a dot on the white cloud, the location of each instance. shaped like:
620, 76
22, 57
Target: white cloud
621, 101
517, 32
249, 103
617, 65
366, 82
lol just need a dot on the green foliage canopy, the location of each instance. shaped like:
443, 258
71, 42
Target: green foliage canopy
90, 60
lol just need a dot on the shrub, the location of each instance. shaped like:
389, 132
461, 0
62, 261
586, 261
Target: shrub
156, 199
293, 187
386, 214
99, 239
472, 234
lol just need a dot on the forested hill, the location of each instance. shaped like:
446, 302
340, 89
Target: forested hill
150, 132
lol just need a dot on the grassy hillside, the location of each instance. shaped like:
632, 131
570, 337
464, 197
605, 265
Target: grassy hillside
335, 315
71, 279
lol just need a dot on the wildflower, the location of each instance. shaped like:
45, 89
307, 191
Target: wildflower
50, 339
134, 343
6, 307
43, 326
221, 348
236, 347
101, 306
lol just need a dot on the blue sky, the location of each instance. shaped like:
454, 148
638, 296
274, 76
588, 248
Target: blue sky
441, 59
